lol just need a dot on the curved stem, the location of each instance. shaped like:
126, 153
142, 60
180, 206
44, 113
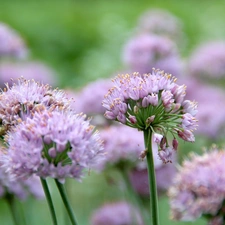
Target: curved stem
154, 210
49, 200
10, 199
63, 194
135, 199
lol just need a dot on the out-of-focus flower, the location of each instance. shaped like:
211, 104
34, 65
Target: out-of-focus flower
152, 101
24, 98
11, 44
198, 188
56, 144
118, 213
122, 144
211, 107
145, 51
161, 22
208, 61
10, 71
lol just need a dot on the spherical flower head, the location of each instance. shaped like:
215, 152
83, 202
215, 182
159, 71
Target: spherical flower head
207, 61
145, 51
123, 146
11, 44
161, 22
38, 71
56, 144
118, 213
198, 187
152, 101
25, 97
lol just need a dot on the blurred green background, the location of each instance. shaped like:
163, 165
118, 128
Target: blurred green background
81, 41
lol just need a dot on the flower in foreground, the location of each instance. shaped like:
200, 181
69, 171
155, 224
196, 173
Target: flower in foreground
154, 102
118, 213
55, 144
198, 188
24, 98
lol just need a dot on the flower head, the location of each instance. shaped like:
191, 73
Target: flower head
11, 44
122, 145
56, 144
161, 22
25, 97
118, 213
207, 61
198, 187
145, 51
131, 102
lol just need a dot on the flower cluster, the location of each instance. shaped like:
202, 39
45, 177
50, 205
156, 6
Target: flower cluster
152, 101
122, 145
25, 97
145, 51
11, 44
118, 213
198, 188
55, 143
208, 60
161, 22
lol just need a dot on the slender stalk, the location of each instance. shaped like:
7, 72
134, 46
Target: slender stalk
10, 199
135, 199
154, 209
49, 200
63, 194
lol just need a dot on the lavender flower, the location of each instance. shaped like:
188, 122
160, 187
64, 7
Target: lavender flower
161, 22
198, 188
11, 44
208, 61
89, 99
118, 213
122, 145
56, 144
146, 51
29, 70
24, 98
152, 101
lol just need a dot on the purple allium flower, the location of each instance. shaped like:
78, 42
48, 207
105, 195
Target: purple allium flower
122, 144
161, 22
11, 44
10, 71
130, 99
211, 108
118, 213
198, 188
146, 51
19, 187
25, 97
208, 61
56, 144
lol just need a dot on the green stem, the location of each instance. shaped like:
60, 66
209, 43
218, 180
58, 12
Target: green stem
63, 194
154, 209
49, 200
135, 199
10, 199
